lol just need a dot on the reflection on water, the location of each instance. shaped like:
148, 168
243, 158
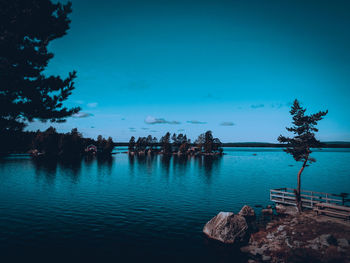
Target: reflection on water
144, 207
49, 168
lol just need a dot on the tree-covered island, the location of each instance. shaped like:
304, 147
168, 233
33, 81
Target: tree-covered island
169, 144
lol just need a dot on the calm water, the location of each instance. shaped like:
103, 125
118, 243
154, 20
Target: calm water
143, 209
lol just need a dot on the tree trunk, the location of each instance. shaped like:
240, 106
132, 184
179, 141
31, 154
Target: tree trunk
298, 191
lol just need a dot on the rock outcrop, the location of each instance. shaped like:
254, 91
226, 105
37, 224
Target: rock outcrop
301, 238
247, 212
286, 210
228, 228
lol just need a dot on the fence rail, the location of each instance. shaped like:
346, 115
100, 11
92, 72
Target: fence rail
308, 198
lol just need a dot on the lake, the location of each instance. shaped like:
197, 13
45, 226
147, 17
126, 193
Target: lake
144, 209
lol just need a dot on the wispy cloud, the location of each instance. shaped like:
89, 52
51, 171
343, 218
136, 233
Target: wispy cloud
227, 123
145, 129
153, 131
82, 115
153, 120
92, 104
132, 129
196, 122
277, 105
180, 130
256, 106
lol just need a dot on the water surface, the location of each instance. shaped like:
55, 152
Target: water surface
137, 209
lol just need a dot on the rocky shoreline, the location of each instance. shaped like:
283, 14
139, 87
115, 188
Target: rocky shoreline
287, 237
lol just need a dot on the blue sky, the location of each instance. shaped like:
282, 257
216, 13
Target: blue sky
233, 67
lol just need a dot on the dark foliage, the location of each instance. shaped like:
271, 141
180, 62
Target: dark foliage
26, 30
208, 143
304, 128
180, 144
165, 143
51, 144
299, 146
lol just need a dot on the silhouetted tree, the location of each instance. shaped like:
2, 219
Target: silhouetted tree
208, 142
184, 147
26, 93
199, 142
304, 139
149, 141
154, 142
217, 145
132, 144
109, 146
165, 143
71, 145
47, 142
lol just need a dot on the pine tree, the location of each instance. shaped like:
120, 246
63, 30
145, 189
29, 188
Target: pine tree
303, 141
26, 93
132, 144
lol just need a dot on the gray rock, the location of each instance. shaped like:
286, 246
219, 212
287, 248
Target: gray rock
342, 242
281, 209
247, 249
280, 228
270, 236
266, 258
247, 211
227, 228
324, 239
267, 211
291, 210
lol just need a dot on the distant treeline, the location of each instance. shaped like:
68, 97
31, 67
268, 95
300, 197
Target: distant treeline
52, 144
179, 144
259, 144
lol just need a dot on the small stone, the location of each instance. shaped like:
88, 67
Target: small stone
323, 239
246, 249
269, 225
280, 209
342, 242
280, 228
270, 236
247, 211
269, 206
267, 211
266, 258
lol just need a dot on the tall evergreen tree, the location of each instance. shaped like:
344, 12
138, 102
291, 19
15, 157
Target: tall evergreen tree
299, 146
26, 93
208, 142
132, 144
165, 143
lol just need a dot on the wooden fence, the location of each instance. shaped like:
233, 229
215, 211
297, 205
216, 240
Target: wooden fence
309, 199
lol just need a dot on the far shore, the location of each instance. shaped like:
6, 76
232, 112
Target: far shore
261, 144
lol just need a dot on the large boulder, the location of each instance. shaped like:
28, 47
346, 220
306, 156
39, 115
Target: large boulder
228, 228
247, 212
